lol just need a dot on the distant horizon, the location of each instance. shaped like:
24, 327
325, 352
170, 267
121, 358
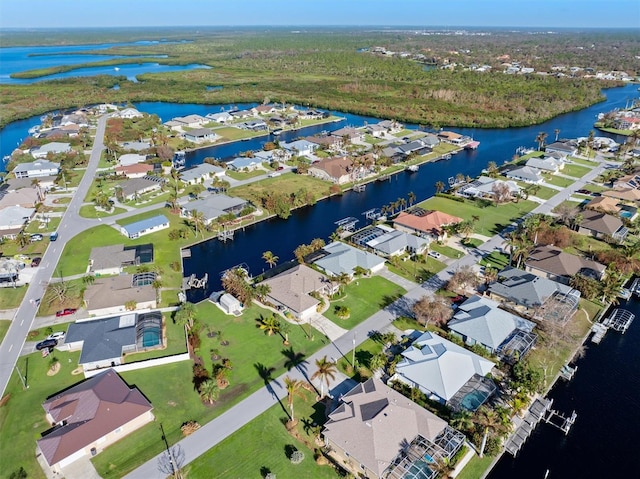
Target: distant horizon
543, 14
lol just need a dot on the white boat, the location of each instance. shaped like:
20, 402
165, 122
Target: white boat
413, 168
117, 69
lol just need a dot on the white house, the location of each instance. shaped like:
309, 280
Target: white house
145, 227
130, 113
131, 159
54, 148
36, 169
222, 117
200, 135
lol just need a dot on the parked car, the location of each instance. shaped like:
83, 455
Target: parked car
46, 344
35, 262
36, 237
435, 254
65, 312
58, 335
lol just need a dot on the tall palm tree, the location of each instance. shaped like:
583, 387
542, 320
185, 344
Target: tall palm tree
294, 388
491, 421
209, 391
440, 186
270, 258
326, 372
412, 198
198, 222
186, 315
542, 136
557, 132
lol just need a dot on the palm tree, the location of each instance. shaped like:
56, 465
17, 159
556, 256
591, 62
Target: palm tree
209, 391
440, 186
542, 136
198, 222
270, 258
412, 198
262, 290
557, 132
186, 315
326, 372
465, 228
270, 325
294, 388
22, 239
491, 421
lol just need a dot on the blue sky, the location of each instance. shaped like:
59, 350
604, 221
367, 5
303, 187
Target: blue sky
514, 13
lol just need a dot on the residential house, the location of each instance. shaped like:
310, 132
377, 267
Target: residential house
376, 131
450, 137
244, 163
340, 258
329, 142
109, 260
391, 126
214, 206
135, 145
253, 125
526, 174
485, 187
201, 172
602, 225
445, 372
131, 159
338, 170
222, 117
375, 431
300, 147
388, 242
604, 204
241, 114
89, 417
430, 224
264, 110
352, 134
191, 121
548, 163
110, 294
36, 169
553, 263
145, 227
13, 219
564, 148
25, 197
136, 170
200, 135
479, 320
134, 188
54, 148
292, 290
631, 195
415, 147
627, 181
534, 296
129, 113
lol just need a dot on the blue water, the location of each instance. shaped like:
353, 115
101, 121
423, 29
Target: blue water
17, 59
473, 400
151, 337
626, 214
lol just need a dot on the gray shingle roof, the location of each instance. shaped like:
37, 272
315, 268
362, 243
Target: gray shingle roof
103, 338
343, 258
526, 289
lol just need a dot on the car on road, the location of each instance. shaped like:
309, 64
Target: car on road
47, 344
280, 168
273, 174
65, 312
36, 237
53, 236
58, 335
35, 262
435, 254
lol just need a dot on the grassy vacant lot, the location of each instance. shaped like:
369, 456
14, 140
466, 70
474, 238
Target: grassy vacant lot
11, 297
448, 251
90, 211
543, 192
231, 133
415, 271
287, 183
22, 418
178, 402
4, 327
492, 218
364, 297
577, 171
558, 181
261, 446
583, 161
244, 175
51, 303
496, 260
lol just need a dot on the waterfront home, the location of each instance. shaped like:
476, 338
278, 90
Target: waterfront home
253, 125
200, 173
241, 114
145, 227
391, 126
247, 163
310, 114
129, 113
131, 159
604, 204
200, 135
375, 432
25, 197
190, 121
388, 242
452, 137
264, 110
631, 195
300, 147
553, 263
526, 174
135, 187
136, 170
564, 148
89, 417
429, 224
213, 207
223, 117
485, 187
338, 170
111, 294
534, 296
602, 225
112, 259
415, 147
36, 169
135, 145
338, 258
54, 148
293, 290
548, 163
479, 320
329, 142
351, 134
376, 131
13, 219
445, 372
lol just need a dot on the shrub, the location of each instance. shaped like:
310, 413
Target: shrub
297, 457
450, 197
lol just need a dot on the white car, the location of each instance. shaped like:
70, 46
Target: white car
435, 254
274, 174
58, 336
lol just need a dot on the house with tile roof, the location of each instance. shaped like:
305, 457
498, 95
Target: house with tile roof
338, 170
631, 195
604, 204
429, 223
91, 416
136, 170
374, 430
446, 372
553, 263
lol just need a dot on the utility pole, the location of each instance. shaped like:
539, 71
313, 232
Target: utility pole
353, 358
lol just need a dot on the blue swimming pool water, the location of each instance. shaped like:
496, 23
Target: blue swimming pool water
473, 400
626, 214
151, 337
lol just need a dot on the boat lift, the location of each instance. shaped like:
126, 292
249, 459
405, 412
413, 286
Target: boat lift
347, 224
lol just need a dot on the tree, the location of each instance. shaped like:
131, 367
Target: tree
343, 312
378, 361
491, 422
270, 258
557, 132
209, 391
197, 189
440, 187
262, 290
270, 325
492, 169
88, 279
326, 372
412, 198
131, 305
465, 228
462, 278
22, 239
198, 222
186, 315
540, 139
294, 388
436, 310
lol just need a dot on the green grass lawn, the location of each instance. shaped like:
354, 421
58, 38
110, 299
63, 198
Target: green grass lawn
476, 467
472, 242
177, 403
404, 323
448, 251
40, 334
582, 161
416, 271
287, 183
22, 419
543, 192
364, 297
364, 352
594, 188
492, 218
231, 133
90, 211
570, 204
261, 445
50, 302
496, 260
244, 175
4, 327
176, 343
577, 171
11, 297
558, 181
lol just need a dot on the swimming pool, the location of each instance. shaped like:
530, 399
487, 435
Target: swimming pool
473, 400
626, 214
151, 337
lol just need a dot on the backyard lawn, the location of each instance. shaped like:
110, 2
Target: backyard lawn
543, 192
492, 218
364, 297
558, 181
448, 251
496, 260
244, 175
577, 171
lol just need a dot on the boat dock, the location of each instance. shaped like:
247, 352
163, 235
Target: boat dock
567, 372
359, 188
598, 330
525, 426
193, 282
635, 287
619, 320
